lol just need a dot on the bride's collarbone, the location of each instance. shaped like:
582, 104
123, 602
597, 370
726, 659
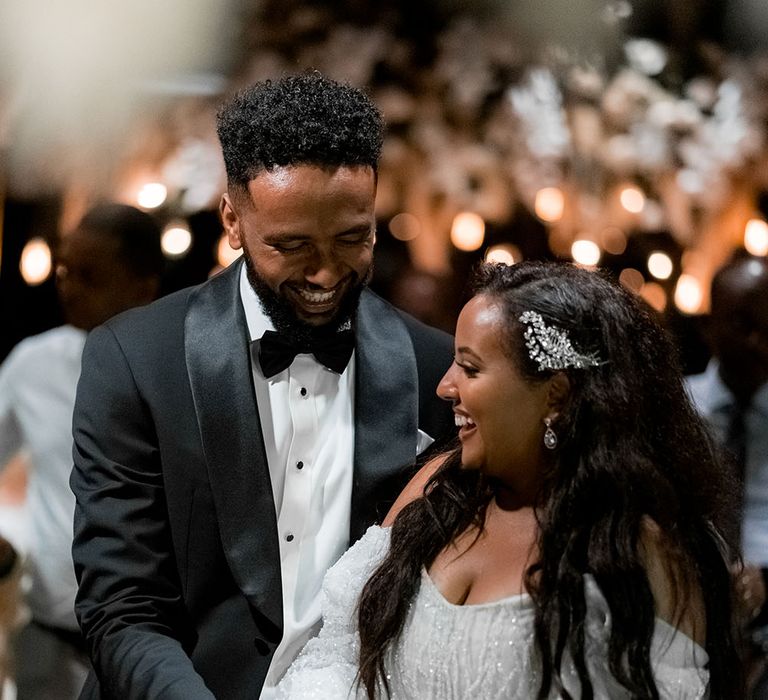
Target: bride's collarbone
478, 569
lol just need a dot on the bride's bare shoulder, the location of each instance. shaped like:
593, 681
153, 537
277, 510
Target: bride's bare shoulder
415, 487
677, 595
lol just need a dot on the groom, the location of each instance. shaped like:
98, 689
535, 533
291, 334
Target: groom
232, 440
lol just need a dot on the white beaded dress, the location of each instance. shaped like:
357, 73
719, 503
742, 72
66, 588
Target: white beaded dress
477, 652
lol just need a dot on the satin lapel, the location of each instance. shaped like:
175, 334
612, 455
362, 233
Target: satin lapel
386, 404
219, 366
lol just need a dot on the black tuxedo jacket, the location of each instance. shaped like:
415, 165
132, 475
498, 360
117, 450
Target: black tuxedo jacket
176, 544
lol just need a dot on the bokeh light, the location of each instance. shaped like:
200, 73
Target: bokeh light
632, 199
35, 265
660, 265
756, 237
176, 240
404, 226
688, 294
549, 204
585, 252
613, 240
503, 253
468, 231
632, 279
646, 55
151, 195
655, 295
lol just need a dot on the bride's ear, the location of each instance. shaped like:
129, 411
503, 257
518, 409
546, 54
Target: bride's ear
558, 394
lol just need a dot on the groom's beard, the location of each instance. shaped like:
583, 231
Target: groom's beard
284, 318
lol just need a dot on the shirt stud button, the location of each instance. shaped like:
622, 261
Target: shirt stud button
299, 465
289, 538
303, 391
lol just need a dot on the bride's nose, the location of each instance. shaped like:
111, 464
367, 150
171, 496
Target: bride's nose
447, 389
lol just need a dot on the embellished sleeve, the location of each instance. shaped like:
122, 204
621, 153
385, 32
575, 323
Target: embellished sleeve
678, 663
326, 669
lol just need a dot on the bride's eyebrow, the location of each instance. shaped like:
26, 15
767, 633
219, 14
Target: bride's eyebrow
464, 350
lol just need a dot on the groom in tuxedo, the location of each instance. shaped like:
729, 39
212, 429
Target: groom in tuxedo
233, 439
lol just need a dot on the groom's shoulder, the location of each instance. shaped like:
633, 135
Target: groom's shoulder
169, 311
428, 341
165, 312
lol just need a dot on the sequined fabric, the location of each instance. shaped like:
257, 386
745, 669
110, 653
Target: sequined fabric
477, 652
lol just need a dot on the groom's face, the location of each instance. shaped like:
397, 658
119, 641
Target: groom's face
307, 233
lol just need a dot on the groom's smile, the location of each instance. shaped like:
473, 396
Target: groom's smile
307, 233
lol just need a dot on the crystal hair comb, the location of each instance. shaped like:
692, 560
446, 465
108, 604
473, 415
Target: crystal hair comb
550, 347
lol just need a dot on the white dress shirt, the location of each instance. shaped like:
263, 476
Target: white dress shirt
713, 400
37, 395
307, 418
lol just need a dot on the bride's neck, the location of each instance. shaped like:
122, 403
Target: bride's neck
507, 498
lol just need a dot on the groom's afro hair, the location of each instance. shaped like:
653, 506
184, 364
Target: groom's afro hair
298, 120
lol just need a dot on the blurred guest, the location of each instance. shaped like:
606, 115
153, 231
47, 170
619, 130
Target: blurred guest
568, 547
732, 394
110, 263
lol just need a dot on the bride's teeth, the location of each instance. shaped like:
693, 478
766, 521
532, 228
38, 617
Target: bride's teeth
461, 421
317, 297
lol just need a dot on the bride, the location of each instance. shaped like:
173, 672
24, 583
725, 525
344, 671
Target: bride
568, 547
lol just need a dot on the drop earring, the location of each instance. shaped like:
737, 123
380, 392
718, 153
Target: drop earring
550, 436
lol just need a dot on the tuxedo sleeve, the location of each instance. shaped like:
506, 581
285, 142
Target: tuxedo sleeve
129, 602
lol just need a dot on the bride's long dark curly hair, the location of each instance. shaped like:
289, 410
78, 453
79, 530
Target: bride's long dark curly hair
630, 447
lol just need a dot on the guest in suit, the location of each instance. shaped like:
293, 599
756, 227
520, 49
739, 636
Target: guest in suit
232, 439
732, 394
110, 262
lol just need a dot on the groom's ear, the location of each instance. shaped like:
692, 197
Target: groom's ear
230, 220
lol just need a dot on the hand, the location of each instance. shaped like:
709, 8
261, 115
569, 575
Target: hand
749, 590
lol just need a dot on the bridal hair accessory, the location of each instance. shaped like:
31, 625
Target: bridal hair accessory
550, 436
550, 346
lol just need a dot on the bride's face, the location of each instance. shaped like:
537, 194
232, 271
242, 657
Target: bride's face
500, 413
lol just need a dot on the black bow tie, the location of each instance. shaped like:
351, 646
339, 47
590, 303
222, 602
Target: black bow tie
276, 352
